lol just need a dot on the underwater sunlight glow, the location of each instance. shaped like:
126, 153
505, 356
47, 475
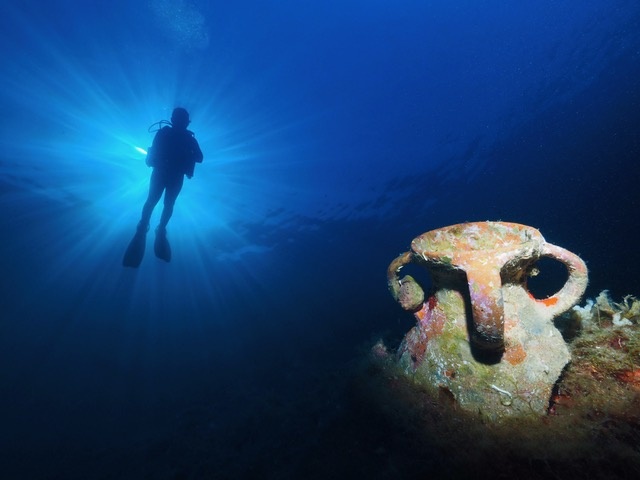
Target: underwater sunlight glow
333, 133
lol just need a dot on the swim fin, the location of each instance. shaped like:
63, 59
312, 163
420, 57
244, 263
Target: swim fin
161, 245
135, 251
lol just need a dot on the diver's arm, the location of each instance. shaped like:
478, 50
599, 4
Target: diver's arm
197, 153
195, 156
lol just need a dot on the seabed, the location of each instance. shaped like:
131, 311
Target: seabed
591, 429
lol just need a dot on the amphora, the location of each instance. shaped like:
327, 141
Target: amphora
481, 338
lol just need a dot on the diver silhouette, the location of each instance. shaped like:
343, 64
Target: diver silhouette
173, 154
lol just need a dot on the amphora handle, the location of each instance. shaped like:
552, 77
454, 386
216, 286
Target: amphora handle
576, 284
405, 290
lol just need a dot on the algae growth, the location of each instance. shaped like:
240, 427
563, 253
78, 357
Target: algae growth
590, 430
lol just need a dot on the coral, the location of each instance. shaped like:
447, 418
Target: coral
629, 308
606, 349
603, 311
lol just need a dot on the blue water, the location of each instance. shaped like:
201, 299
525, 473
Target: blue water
333, 133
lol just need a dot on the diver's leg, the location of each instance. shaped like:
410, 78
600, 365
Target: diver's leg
135, 251
156, 186
161, 246
171, 194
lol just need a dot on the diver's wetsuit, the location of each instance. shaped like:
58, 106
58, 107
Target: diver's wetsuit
173, 155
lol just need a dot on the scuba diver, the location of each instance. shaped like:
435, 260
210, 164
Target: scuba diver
173, 154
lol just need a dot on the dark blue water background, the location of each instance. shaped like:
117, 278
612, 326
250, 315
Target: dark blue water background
333, 132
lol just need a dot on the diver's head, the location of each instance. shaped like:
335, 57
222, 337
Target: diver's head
180, 118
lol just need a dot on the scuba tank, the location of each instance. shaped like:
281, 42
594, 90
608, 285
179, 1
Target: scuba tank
151, 159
